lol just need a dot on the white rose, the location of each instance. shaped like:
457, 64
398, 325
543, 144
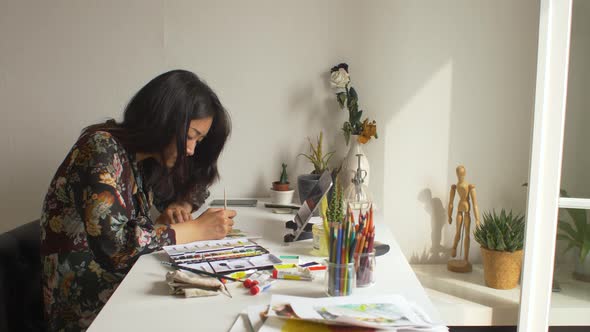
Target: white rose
339, 79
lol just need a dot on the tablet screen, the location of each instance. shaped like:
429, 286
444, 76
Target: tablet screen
312, 201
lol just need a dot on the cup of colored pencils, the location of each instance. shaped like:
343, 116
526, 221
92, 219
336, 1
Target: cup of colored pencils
340, 272
364, 255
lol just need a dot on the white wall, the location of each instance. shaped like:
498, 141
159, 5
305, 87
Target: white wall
447, 83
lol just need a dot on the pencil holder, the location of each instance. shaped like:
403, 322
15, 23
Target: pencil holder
365, 269
340, 279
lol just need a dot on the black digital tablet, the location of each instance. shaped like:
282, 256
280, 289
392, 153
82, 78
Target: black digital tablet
235, 202
299, 224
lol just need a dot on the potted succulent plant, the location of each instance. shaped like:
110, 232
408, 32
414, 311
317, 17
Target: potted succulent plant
501, 237
577, 236
281, 193
319, 161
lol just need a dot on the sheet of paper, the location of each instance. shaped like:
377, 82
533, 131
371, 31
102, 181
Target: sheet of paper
241, 324
387, 311
276, 324
237, 233
255, 316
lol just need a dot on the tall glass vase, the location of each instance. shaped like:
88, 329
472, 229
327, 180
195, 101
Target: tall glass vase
350, 163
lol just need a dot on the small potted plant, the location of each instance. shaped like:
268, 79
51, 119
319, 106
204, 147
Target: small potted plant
319, 161
501, 237
577, 236
281, 193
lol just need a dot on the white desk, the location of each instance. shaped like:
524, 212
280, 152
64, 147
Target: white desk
142, 301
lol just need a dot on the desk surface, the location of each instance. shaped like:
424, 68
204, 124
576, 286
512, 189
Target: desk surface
142, 301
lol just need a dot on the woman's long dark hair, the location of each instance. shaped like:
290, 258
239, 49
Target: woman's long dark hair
160, 113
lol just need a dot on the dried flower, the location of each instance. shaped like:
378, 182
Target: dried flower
369, 129
348, 99
339, 79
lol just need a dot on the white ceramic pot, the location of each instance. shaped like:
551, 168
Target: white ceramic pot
281, 197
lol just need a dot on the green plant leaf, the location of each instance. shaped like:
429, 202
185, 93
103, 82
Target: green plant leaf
306, 156
346, 128
569, 230
579, 218
357, 118
584, 251
352, 94
502, 231
491, 244
569, 246
500, 244
585, 246
341, 99
352, 101
564, 237
326, 159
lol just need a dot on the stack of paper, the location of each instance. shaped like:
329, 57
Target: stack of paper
351, 313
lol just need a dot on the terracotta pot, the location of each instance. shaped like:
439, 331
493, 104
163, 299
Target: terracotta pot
277, 186
501, 268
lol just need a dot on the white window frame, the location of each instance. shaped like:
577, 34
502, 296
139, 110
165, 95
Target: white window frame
545, 167
574, 203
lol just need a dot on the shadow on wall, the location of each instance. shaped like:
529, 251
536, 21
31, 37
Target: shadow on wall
444, 81
435, 209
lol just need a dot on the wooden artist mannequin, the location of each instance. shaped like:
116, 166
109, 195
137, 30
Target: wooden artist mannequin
467, 197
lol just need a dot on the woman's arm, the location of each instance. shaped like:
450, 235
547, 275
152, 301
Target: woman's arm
213, 224
115, 234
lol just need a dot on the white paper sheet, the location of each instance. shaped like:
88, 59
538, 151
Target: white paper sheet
255, 313
241, 324
381, 312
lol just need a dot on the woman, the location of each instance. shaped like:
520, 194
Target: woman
96, 216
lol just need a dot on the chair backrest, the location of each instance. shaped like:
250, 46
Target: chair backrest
21, 299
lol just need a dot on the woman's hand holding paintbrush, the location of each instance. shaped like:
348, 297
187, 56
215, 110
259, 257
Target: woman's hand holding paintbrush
214, 223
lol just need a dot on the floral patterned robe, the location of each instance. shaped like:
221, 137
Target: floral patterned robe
95, 225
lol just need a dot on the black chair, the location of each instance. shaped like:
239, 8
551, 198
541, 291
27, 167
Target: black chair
21, 301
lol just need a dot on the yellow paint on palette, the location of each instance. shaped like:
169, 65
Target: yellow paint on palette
295, 325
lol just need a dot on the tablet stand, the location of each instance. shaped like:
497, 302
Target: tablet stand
300, 227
